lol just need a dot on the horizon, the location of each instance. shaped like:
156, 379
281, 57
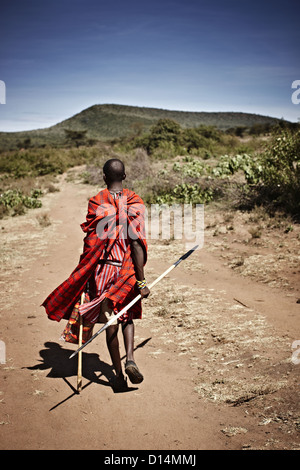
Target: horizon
142, 107
60, 58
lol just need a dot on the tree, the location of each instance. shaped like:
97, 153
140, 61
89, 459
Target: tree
75, 137
164, 131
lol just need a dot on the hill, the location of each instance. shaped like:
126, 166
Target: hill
110, 121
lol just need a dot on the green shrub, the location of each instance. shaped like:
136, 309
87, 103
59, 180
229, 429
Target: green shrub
15, 202
229, 165
167, 136
274, 176
184, 193
192, 168
193, 139
281, 162
164, 132
165, 150
49, 164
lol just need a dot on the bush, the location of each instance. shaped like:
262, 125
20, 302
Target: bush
15, 202
193, 139
166, 139
281, 161
274, 176
228, 165
278, 173
164, 132
191, 168
184, 193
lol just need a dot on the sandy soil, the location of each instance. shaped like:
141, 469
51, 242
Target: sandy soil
215, 343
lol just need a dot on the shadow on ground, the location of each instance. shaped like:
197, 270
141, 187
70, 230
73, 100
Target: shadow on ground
57, 360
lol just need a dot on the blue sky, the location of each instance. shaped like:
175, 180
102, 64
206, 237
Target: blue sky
60, 57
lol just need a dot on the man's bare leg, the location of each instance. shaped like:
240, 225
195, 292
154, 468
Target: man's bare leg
118, 383
131, 368
113, 347
128, 335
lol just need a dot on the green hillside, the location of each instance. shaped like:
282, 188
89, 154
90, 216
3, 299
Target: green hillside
109, 121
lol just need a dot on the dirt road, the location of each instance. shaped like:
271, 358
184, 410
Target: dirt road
215, 347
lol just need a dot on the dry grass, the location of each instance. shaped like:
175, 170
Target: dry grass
259, 246
44, 220
238, 357
22, 238
232, 347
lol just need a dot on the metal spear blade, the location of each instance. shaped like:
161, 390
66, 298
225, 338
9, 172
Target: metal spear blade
186, 255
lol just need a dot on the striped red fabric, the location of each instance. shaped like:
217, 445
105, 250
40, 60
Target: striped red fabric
107, 220
105, 276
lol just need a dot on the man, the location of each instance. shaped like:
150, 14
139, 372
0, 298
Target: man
110, 271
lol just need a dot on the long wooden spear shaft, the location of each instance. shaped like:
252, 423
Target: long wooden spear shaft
115, 317
79, 367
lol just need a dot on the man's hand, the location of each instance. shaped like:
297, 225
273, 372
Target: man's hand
145, 292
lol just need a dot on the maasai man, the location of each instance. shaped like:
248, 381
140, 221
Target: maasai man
110, 272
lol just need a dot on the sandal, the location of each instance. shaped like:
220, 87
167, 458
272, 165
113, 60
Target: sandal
133, 372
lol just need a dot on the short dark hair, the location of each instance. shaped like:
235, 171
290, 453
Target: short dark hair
114, 169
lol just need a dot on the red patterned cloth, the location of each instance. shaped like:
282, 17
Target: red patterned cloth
71, 331
106, 220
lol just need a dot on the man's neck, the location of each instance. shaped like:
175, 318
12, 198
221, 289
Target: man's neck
115, 187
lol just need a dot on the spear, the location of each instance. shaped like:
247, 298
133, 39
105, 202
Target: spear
127, 307
79, 367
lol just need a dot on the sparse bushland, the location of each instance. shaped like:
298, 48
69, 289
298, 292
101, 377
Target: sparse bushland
38, 162
166, 139
26, 174
175, 165
269, 177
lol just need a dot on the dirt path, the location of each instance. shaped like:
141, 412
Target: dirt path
215, 348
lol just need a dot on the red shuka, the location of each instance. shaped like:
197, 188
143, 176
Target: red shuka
105, 219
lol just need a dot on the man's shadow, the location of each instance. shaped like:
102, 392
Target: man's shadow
57, 359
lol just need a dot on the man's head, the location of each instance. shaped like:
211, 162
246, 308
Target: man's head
113, 171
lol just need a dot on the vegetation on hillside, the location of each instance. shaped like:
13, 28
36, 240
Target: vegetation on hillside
115, 122
170, 164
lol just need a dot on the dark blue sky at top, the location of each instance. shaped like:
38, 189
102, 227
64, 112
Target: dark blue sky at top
59, 57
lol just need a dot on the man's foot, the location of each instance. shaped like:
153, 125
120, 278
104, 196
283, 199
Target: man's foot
118, 383
133, 372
